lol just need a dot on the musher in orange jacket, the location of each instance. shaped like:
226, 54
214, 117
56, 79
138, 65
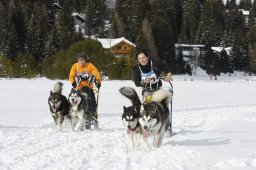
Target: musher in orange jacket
81, 74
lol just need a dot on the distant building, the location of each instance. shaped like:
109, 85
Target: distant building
120, 47
245, 13
79, 19
220, 49
190, 53
79, 22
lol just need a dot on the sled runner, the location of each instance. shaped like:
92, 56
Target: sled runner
147, 93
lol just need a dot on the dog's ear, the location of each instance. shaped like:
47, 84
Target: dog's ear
51, 92
124, 107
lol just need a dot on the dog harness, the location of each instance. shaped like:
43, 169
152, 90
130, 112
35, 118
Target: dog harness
83, 74
137, 129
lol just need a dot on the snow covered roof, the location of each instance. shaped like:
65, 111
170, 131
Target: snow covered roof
219, 49
56, 5
78, 16
188, 45
245, 12
110, 42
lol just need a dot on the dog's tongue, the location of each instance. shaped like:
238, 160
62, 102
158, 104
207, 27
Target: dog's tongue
146, 134
54, 110
129, 131
73, 104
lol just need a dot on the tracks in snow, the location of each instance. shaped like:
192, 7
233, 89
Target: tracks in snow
44, 148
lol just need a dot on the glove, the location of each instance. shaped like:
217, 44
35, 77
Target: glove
91, 79
74, 84
98, 85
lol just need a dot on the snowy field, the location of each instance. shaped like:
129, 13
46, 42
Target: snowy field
214, 122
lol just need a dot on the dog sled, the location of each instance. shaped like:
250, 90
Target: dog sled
92, 121
147, 92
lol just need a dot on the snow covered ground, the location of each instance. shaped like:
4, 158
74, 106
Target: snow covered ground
214, 121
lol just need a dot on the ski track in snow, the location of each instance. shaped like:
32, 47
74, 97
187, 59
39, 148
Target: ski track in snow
25, 148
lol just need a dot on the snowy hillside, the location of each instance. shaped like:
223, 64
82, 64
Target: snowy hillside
214, 122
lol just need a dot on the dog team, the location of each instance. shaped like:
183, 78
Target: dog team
150, 116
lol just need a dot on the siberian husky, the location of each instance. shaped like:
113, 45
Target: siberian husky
78, 109
130, 119
59, 106
154, 116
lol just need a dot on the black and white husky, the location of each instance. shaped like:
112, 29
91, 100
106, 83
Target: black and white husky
154, 116
78, 109
130, 118
59, 106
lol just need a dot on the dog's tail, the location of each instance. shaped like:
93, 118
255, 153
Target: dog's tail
131, 94
161, 95
58, 87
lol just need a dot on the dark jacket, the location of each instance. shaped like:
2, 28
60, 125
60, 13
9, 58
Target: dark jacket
158, 67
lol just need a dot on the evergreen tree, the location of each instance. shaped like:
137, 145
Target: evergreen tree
117, 26
163, 31
251, 39
53, 43
210, 31
26, 66
95, 13
65, 23
145, 39
12, 45
180, 63
236, 29
190, 21
37, 30
18, 19
212, 62
138, 13
5, 22
245, 4
225, 63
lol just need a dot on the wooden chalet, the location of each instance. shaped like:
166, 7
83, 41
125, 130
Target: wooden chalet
120, 47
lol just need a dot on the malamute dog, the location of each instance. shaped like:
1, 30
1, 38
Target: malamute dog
78, 109
59, 106
154, 116
130, 119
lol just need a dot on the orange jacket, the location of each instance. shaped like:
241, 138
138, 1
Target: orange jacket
87, 68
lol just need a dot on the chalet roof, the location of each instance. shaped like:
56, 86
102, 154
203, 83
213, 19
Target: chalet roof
110, 42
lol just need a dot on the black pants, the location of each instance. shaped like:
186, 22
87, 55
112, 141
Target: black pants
91, 101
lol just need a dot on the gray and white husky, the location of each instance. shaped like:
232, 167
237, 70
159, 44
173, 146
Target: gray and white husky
78, 109
130, 118
154, 116
59, 106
